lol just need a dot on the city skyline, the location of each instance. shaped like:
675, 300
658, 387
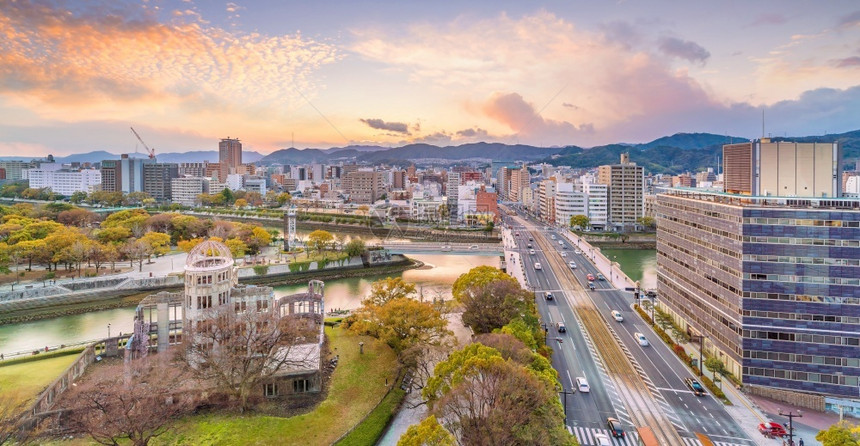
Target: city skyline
338, 73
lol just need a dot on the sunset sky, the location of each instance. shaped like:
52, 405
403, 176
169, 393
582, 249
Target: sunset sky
75, 75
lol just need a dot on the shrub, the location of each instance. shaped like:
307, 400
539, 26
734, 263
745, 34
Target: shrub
261, 270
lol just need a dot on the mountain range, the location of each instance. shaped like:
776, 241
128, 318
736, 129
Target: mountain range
673, 154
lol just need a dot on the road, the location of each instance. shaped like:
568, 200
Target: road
575, 353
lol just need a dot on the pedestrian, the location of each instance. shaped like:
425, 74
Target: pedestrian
800, 442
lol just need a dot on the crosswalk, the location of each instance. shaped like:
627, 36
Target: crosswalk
586, 436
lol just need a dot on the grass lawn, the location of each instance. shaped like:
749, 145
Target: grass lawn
27, 379
357, 385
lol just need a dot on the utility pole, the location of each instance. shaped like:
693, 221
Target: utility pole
791, 416
565, 392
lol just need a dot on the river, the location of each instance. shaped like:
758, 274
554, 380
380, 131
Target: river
433, 280
638, 264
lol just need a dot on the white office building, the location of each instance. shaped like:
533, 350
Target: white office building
569, 202
598, 204
64, 181
186, 189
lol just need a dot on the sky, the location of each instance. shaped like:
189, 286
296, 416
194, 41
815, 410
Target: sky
74, 76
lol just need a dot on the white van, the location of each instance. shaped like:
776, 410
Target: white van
582, 384
537, 266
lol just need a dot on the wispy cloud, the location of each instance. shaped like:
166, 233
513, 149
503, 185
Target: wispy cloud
684, 49
379, 124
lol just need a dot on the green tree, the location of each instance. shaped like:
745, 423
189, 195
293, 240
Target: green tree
647, 222
355, 247
427, 433
842, 433
579, 221
476, 278
227, 195
320, 240
493, 305
384, 290
715, 365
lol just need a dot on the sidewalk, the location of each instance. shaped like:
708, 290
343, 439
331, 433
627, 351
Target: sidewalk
614, 275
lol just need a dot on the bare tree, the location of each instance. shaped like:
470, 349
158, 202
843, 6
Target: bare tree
136, 401
137, 251
237, 350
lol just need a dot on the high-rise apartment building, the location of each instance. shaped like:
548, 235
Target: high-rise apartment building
111, 175
398, 179
157, 178
598, 205
364, 186
519, 181
546, 200
569, 201
452, 193
64, 181
193, 169
229, 157
772, 283
783, 169
186, 189
131, 173
17, 170
626, 183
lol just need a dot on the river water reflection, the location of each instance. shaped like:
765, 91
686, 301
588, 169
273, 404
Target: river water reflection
638, 264
433, 280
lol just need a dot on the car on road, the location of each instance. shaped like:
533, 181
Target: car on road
561, 243
548, 296
560, 327
651, 293
695, 386
532, 251
531, 239
614, 427
600, 277
563, 254
537, 266
582, 384
529, 245
617, 316
518, 234
772, 429
591, 286
577, 252
643, 341
590, 277
602, 440
553, 236
474, 247
571, 264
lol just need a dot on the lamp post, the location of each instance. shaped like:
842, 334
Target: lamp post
545, 333
791, 416
108, 331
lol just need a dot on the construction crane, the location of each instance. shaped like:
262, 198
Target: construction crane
151, 152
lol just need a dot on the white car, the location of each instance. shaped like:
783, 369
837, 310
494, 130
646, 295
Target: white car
563, 254
617, 315
532, 251
537, 266
571, 264
602, 440
553, 236
577, 252
643, 341
582, 384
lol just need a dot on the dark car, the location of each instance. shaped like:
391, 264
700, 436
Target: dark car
695, 386
600, 277
615, 428
591, 286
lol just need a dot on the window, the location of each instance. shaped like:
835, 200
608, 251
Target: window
270, 390
301, 385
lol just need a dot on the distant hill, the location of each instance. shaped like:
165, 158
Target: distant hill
692, 141
684, 152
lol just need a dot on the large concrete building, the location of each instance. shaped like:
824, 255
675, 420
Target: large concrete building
783, 169
17, 170
519, 180
111, 171
364, 186
452, 193
773, 285
185, 190
626, 183
157, 180
569, 200
131, 173
64, 181
598, 205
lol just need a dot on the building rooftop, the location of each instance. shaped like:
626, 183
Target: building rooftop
847, 203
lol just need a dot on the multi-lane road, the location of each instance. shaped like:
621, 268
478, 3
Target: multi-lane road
580, 352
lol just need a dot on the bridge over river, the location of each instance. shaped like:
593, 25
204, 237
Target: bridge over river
407, 247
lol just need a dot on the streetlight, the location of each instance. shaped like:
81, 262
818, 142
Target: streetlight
791, 416
545, 332
108, 331
565, 392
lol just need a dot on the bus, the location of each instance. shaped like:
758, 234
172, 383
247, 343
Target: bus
646, 437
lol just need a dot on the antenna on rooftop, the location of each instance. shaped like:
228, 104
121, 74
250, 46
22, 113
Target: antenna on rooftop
762, 123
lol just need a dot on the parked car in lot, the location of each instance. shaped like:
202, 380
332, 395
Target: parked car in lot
548, 296
617, 316
560, 327
582, 384
643, 341
590, 277
614, 427
695, 386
